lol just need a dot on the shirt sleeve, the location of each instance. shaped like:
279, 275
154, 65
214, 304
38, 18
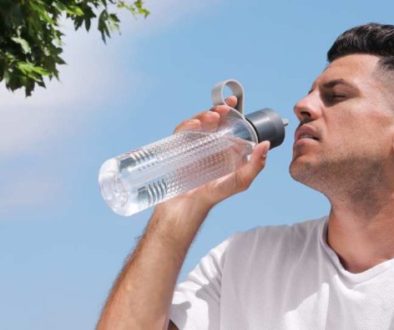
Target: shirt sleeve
196, 301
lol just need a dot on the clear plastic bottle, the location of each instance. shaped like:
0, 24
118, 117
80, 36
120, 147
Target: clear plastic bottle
154, 173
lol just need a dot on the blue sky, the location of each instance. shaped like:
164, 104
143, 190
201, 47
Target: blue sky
61, 246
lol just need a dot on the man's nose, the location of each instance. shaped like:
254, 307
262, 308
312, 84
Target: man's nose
307, 108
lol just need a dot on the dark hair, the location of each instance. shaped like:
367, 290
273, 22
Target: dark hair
373, 38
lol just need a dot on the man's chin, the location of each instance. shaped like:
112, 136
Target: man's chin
301, 171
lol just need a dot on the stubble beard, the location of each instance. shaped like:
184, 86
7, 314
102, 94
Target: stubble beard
350, 179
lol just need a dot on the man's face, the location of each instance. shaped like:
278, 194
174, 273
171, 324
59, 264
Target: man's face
348, 125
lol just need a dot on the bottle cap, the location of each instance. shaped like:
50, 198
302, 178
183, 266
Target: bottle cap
268, 125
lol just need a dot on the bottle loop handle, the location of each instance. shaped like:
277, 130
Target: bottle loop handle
237, 90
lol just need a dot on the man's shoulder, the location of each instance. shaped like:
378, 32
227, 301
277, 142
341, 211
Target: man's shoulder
291, 235
298, 228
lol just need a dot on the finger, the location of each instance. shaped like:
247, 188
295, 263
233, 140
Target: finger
230, 102
209, 120
189, 124
253, 167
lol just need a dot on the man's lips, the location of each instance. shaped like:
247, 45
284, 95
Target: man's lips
306, 132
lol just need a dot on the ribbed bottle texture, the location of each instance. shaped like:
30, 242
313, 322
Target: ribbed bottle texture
137, 180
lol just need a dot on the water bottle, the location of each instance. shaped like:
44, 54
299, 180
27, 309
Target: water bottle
154, 173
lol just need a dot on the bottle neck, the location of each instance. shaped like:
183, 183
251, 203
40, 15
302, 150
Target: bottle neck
235, 124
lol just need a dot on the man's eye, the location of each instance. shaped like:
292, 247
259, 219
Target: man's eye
334, 97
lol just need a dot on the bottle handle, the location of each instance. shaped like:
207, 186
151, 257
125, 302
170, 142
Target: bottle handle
237, 90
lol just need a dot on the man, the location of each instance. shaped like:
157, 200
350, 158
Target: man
331, 273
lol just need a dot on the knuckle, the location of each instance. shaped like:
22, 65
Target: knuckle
179, 127
244, 183
202, 114
183, 125
208, 115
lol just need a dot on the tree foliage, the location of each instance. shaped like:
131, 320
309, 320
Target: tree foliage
31, 38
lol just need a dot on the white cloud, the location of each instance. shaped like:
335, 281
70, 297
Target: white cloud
165, 14
87, 79
85, 82
94, 75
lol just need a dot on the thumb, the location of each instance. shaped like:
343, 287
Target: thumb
253, 167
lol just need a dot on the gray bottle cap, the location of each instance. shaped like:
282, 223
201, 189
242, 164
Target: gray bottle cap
268, 125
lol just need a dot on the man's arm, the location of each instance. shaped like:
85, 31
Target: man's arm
141, 297
142, 294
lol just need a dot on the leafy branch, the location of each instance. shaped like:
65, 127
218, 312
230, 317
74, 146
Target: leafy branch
31, 39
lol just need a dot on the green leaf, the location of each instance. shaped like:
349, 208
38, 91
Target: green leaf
102, 25
23, 43
74, 11
31, 70
140, 8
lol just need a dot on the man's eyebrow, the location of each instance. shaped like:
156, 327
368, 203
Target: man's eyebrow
332, 83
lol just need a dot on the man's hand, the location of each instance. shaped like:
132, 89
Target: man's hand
215, 191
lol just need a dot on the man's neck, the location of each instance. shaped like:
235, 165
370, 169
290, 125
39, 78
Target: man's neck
362, 234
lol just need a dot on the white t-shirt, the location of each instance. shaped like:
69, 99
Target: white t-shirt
283, 277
